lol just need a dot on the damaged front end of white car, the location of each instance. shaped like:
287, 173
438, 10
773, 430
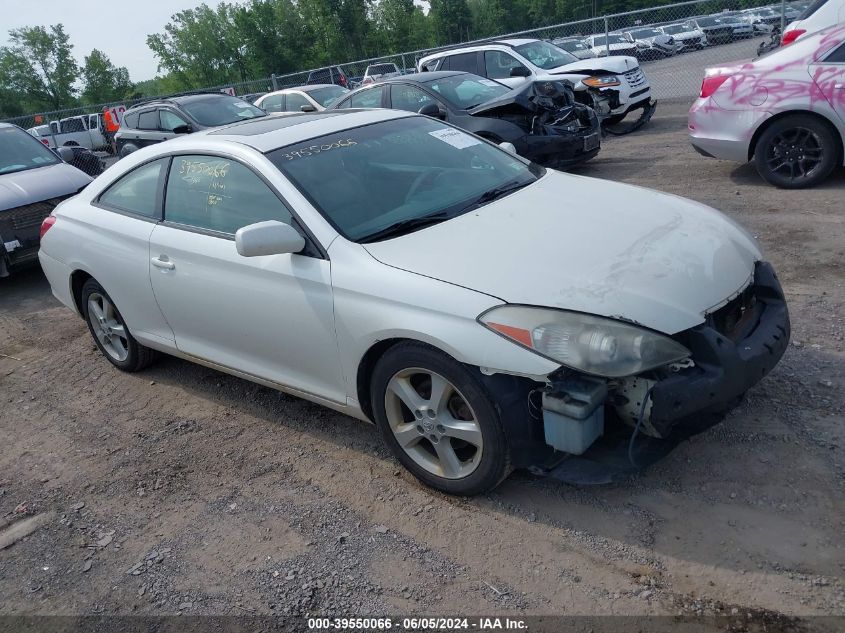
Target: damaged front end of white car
656, 317
626, 395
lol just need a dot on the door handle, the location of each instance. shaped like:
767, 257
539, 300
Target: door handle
164, 264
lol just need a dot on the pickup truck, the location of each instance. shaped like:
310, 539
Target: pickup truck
85, 130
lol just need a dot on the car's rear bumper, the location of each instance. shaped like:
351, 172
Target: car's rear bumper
726, 134
58, 275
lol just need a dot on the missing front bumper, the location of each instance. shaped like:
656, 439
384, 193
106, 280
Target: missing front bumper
732, 351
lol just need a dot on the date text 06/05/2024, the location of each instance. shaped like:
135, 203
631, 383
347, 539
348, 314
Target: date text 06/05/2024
419, 624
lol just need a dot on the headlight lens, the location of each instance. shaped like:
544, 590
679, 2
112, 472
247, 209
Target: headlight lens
591, 344
603, 81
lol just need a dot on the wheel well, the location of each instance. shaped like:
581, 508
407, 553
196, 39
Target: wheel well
77, 280
365, 371
753, 145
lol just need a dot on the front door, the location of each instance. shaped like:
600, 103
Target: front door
499, 65
270, 316
829, 76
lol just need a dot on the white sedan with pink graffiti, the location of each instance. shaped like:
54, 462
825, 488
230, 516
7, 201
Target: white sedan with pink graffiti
785, 110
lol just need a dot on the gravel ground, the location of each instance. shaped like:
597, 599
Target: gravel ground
183, 490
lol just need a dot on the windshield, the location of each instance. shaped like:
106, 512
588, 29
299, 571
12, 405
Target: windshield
613, 39
466, 91
545, 55
643, 33
216, 110
380, 69
398, 172
326, 96
572, 46
675, 28
708, 21
20, 151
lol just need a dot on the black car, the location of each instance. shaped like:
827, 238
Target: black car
33, 180
541, 119
717, 32
162, 119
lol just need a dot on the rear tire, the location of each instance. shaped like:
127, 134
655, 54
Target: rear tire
110, 333
796, 151
439, 421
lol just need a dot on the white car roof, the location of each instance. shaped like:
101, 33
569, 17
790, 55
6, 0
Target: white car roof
517, 41
268, 133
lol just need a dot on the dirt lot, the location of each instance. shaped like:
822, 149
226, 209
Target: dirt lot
181, 489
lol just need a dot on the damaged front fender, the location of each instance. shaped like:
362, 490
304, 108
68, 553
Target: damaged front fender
558, 129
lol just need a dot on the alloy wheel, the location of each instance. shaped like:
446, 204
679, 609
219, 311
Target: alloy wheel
795, 153
108, 327
433, 423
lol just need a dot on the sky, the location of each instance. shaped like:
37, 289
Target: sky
121, 35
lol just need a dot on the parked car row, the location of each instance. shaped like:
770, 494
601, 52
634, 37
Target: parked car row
657, 41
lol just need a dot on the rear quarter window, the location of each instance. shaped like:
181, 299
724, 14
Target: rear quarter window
467, 62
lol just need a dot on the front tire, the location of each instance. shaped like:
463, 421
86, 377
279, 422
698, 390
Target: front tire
795, 152
110, 333
439, 421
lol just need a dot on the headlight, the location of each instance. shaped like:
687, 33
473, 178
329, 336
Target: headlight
603, 81
594, 345
642, 45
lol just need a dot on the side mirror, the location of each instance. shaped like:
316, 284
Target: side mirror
183, 129
308, 108
434, 110
508, 147
65, 153
268, 238
520, 71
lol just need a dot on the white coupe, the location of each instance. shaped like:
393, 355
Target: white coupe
487, 314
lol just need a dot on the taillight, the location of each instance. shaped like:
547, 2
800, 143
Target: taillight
711, 84
46, 142
342, 80
49, 221
791, 36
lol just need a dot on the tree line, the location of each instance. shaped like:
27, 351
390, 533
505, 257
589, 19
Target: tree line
38, 72
237, 42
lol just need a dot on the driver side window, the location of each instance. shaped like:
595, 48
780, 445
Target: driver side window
218, 194
409, 98
498, 64
170, 120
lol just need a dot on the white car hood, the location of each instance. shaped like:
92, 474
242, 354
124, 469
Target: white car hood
33, 185
614, 64
591, 246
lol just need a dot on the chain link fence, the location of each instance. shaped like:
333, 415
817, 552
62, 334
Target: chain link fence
674, 43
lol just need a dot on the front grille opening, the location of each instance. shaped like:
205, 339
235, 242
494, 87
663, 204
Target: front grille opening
738, 317
30, 215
